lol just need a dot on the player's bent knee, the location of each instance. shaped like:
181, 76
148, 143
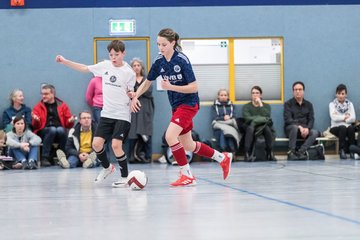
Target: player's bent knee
190, 146
97, 145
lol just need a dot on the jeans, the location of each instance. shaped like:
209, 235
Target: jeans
74, 161
21, 155
96, 111
224, 143
50, 135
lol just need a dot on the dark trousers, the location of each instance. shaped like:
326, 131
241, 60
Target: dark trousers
293, 133
250, 134
343, 132
50, 135
354, 149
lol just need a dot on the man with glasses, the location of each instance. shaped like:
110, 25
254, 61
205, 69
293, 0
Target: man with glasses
299, 122
78, 148
50, 119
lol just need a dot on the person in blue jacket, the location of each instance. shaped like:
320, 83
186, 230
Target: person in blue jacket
17, 107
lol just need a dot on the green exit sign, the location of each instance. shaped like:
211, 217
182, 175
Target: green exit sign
122, 27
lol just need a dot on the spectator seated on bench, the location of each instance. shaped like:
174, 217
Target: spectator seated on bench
257, 115
299, 123
224, 123
342, 114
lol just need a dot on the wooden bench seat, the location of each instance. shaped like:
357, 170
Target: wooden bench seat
318, 139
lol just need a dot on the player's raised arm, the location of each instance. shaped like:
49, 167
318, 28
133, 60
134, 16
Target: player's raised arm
74, 65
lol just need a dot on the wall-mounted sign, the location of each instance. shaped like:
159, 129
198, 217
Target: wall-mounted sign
122, 27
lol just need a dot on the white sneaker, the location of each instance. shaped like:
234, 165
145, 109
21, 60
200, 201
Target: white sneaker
162, 159
63, 162
88, 163
122, 182
93, 156
91, 161
356, 156
105, 172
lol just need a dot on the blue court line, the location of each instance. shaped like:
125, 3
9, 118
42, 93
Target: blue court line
283, 202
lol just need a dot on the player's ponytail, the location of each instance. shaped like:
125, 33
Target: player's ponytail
171, 36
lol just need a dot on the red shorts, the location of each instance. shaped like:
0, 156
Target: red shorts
183, 116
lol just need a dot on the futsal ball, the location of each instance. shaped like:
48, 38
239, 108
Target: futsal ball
137, 180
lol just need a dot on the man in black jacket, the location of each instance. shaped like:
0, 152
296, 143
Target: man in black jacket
299, 121
78, 147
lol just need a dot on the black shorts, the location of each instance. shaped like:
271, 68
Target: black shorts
112, 128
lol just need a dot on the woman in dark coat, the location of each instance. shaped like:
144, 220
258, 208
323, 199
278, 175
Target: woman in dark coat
139, 139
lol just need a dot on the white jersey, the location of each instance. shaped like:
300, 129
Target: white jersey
116, 82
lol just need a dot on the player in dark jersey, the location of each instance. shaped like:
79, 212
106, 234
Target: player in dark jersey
179, 81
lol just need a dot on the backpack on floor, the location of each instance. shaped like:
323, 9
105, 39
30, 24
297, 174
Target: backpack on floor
259, 149
316, 152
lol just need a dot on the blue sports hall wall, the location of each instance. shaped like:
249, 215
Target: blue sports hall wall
163, 3
321, 48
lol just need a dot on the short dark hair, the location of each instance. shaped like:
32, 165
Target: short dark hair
257, 88
48, 86
117, 45
17, 118
298, 82
340, 88
84, 111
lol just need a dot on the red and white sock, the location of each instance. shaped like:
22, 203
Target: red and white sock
179, 154
185, 170
204, 150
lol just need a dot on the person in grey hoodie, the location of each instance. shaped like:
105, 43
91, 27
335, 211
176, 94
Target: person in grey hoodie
23, 144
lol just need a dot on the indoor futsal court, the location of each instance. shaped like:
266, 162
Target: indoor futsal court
252, 74
261, 200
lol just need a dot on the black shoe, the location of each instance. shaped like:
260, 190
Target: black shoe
342, 154
52, 161
32, 164
270, 156
292, 155
248, 158
352, 155
45, 162
25, 164
302, 155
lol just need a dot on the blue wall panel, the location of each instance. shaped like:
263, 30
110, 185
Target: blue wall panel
163, 3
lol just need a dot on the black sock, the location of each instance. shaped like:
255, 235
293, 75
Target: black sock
123, 165
101, 155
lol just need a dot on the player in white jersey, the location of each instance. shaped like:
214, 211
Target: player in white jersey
118, 79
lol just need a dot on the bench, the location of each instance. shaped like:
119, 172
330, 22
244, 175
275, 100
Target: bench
318, 139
